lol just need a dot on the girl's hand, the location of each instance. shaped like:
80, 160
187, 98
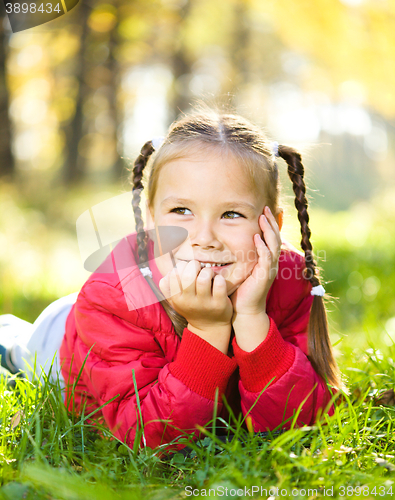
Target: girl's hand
202, 300
250, 297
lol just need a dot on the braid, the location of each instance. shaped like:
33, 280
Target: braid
139, 165
296, 174
179, 322
319, 346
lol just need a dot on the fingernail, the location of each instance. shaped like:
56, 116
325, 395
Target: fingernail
269, 210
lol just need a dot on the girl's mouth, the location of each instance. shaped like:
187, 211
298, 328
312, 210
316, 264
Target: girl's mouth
215, 266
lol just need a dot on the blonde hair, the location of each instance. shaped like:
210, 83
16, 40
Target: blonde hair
248, 144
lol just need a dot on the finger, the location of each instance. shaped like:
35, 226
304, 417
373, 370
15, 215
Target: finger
267, 265
219, 287
273, 222
272, 240
188, 277
203, 282
175, 279
263, 251
164, 286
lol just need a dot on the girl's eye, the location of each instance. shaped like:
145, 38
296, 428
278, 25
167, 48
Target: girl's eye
186, 211
232, 215
180, 210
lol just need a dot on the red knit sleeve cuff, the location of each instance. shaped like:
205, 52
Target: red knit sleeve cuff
202, 367
270, 360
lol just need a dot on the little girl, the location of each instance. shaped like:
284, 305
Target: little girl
230, 311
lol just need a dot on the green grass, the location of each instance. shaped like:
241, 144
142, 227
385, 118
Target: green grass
47, 453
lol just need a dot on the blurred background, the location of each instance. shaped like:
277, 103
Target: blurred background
81, 94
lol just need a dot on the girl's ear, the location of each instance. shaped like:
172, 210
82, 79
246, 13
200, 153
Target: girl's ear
280, 218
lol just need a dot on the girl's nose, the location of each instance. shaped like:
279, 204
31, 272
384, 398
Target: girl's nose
204, 235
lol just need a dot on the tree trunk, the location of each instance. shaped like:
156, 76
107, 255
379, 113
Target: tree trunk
74, 169
119, 166
180, 68
239, 48
7, 165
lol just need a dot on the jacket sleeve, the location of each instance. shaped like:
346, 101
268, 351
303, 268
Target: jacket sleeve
174, 395
277, 376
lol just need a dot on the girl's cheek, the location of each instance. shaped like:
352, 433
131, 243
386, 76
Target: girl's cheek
239, 275
251, 257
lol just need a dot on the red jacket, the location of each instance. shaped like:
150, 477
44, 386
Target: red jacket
177, 379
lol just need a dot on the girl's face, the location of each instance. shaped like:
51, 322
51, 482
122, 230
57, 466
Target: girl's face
211, 197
